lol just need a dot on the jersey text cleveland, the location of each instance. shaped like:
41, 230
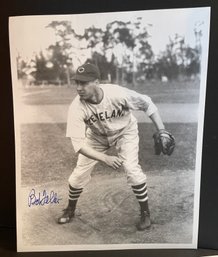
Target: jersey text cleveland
102, 116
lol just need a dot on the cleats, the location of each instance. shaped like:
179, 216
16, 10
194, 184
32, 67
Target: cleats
145, 221
67, 216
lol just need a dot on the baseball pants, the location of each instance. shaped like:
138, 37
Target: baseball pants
126, 143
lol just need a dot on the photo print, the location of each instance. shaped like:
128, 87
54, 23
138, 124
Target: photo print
109, 115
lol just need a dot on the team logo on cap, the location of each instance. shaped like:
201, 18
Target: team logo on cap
81, 69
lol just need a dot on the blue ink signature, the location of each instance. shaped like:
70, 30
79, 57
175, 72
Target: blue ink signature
42, 198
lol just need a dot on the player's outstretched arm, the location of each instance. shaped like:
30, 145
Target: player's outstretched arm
113, 161
157, 121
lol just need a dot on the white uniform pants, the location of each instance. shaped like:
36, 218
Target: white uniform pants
127, 146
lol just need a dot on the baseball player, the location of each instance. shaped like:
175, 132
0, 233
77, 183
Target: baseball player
100, 117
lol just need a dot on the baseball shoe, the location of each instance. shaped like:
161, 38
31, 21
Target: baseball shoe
66, 216
145, 221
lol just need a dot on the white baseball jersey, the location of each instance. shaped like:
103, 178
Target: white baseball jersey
107, 118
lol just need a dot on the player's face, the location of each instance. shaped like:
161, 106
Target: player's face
85, 90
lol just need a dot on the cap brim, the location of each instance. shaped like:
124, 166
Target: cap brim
83, 78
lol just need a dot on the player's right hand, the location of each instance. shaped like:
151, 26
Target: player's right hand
113, 161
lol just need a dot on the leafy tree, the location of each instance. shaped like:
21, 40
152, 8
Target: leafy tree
94, 38
193, 62
26, 69
116, 40
59, 61
127, 46
41, 73
21, 67
62, 50
107, 69
178, 58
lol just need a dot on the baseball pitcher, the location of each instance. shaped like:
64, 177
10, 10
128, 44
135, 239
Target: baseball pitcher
100, 117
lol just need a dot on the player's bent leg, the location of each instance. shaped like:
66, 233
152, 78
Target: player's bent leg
128, 147
80, 176
77, 180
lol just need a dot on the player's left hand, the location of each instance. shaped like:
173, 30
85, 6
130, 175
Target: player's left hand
164, 142
113, 161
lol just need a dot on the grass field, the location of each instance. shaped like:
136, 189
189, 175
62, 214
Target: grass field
170, 92
48, 155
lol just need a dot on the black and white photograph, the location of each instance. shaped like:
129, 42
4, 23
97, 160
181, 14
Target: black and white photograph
109, 116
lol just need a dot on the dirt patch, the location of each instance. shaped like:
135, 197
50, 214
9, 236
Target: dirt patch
108, 211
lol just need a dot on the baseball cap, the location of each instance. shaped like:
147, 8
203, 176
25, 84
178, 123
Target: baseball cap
87, 72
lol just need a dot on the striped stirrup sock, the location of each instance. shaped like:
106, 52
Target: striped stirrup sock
141, 194
74, 194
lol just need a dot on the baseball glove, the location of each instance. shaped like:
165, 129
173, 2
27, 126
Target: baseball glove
164, 142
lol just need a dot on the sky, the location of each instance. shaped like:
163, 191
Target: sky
28, 34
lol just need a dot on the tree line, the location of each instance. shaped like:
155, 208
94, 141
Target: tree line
121, 51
